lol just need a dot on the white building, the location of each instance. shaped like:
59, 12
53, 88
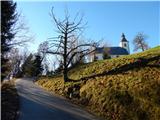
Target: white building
122, 49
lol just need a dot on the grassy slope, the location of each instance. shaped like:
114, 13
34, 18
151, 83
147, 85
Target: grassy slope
9, 101
118, 89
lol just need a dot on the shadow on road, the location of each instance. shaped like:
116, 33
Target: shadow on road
37, 104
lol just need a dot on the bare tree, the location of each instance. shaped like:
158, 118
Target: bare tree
65, 45
16, 59
22, 34
139, 42
43, 47
14, 62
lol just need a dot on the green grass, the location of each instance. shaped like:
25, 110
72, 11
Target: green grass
9, 101
124, 88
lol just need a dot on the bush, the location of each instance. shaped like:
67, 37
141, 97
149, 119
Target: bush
9, 102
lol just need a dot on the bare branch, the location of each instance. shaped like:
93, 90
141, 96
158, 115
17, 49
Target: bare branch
59, 24
75, 53
73, 49
87, 53
57, 53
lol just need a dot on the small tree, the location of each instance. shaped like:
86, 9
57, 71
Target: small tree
105, 53
61, 45
139, 42
32, 66
45, 68
37, 65
14, 61
27, 67
59, 69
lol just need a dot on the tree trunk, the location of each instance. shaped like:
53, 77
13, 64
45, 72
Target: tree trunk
65, 74
65, 77
142, 47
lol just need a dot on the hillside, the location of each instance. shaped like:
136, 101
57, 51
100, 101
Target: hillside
118, 89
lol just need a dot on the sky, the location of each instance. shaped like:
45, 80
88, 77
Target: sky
107, 20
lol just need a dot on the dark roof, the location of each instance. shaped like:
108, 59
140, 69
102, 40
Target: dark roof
113, 50
123, 38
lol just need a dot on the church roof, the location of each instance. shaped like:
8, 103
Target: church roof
113, 50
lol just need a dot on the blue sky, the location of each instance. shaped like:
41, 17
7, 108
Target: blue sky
105, 20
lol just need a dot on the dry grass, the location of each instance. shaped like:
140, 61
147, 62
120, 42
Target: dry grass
124, 88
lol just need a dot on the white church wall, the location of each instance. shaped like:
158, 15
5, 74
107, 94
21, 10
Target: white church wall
115, 56
125, 45
99, 56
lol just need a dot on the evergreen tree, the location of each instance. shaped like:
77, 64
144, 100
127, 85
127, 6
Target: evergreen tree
32, 66
27, 67
8, 19
37, 65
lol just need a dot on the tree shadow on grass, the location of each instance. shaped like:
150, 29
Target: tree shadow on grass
139, 63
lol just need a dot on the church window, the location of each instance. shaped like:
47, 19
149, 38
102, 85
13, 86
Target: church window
125, 45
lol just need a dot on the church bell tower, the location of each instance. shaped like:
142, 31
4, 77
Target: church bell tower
124, 43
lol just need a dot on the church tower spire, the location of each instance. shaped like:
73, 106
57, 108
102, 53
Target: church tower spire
124, 43
123, 38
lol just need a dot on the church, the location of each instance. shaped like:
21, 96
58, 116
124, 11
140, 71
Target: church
113, 52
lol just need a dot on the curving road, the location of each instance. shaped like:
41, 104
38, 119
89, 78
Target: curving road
38, 104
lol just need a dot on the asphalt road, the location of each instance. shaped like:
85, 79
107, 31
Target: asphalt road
38, 104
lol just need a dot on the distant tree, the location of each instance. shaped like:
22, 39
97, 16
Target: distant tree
32, 66
106, 53
61, 45
27, 67
139, 42
78, 59
45, 68
81, 60
14, 62
37, 65
59, 69
50, 73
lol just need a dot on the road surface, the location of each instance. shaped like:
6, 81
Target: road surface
38, 104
